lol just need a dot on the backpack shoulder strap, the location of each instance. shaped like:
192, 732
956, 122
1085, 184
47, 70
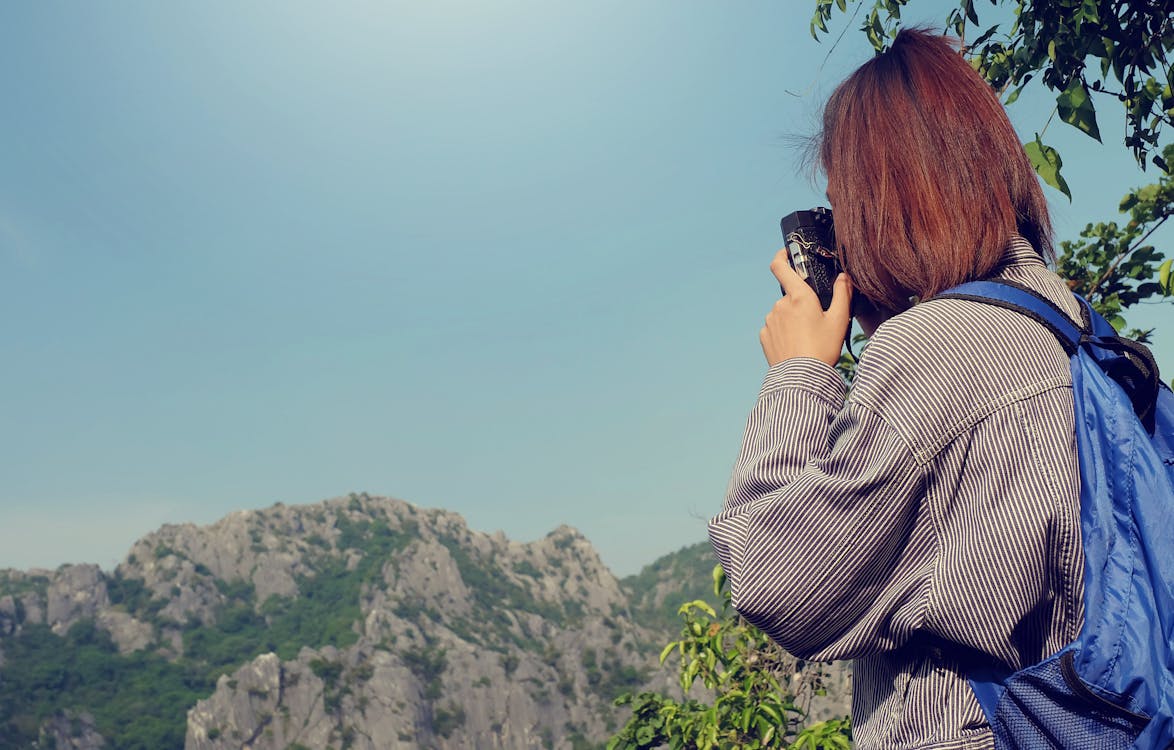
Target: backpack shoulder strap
1026, 301
1129, 364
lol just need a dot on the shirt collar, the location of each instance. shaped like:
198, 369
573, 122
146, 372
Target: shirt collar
1019, 252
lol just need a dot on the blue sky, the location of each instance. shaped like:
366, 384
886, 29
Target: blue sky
505, 258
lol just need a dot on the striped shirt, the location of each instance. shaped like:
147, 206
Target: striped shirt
927, 519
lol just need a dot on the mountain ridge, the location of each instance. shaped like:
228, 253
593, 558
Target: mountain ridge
355, 622
355, 599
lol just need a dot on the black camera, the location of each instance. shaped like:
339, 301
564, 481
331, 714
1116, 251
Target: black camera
811, 248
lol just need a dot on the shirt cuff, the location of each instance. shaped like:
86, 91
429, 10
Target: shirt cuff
806, 374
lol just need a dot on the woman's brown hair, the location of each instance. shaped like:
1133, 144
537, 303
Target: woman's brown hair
927, 178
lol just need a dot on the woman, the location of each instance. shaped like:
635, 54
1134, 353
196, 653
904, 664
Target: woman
929, 521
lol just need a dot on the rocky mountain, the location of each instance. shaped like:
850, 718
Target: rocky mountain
360, 622
657, 591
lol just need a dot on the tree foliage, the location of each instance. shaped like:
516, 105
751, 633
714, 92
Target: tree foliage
1113, 267
761, 694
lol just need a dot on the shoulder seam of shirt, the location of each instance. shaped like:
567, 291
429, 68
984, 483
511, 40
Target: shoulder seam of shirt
901, 436
929, 451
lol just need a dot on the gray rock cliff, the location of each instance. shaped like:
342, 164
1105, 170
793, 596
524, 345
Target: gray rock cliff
359, 622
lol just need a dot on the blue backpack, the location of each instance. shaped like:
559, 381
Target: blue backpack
1113, 687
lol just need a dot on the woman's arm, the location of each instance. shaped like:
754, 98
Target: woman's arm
822, 536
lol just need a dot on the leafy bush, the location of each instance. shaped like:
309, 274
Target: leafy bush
746, 672
428, 664
446, 720
327, 671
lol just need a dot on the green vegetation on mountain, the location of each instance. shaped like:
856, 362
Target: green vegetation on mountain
656, 592
138, 701
13, 583
491, 590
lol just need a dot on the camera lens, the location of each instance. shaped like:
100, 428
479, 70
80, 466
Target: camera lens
798, 258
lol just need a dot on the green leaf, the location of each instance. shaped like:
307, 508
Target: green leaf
719, 579
664, 654
875, 31
690, 675
1075, 108
819, 22
772, 713
1165, 278
1047, 163
956, 21
1088, 11
984, 36
700, 604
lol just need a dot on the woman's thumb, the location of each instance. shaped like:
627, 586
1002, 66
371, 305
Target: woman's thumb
840, 310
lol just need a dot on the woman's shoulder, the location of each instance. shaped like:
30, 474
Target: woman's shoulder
957, 338
945, 363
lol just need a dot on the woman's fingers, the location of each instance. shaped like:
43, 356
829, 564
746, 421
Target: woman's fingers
839, 312
792, 283
797, 326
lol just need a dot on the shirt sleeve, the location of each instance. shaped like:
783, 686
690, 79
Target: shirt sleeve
822, 537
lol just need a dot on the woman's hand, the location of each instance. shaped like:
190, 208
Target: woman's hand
797, 326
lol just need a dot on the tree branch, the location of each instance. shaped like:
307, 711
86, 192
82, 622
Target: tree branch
1117, 261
